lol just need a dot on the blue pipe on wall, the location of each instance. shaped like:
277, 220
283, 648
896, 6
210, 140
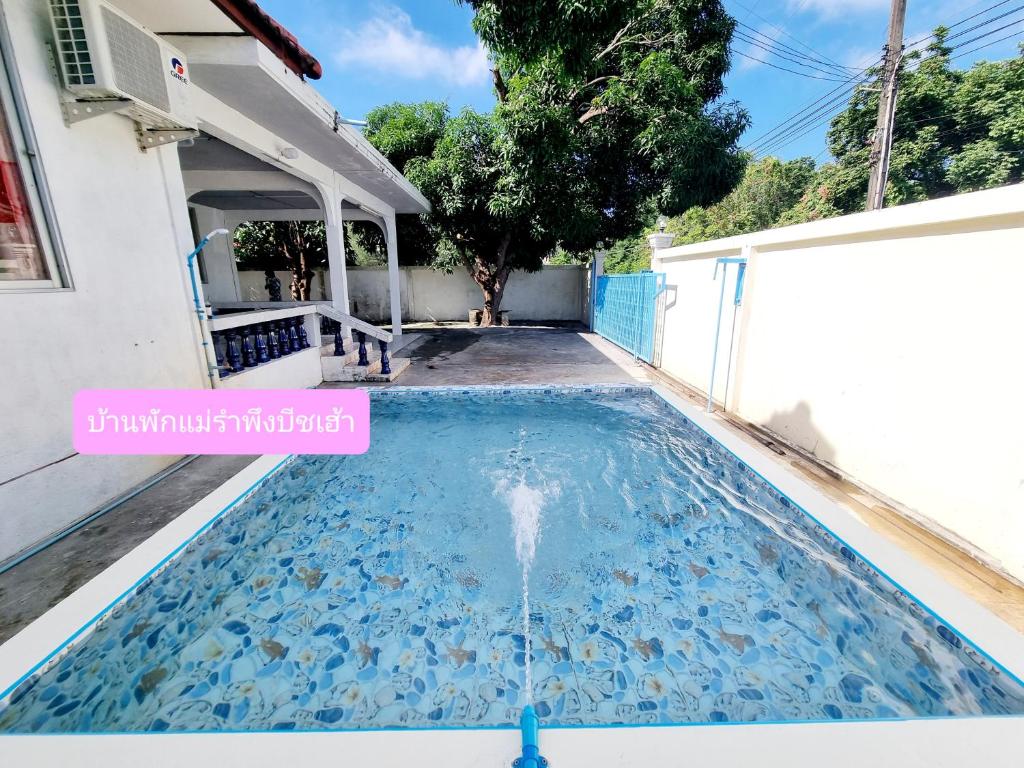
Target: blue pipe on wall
200, 312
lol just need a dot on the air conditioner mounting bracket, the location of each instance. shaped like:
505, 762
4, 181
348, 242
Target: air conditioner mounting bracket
147, 138
77, 110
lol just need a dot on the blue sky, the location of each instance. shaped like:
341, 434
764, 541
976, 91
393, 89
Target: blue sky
377, 51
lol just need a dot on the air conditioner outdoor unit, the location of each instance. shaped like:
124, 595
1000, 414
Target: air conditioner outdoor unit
110, 63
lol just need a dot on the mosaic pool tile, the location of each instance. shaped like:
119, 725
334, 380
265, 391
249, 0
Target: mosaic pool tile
672, 585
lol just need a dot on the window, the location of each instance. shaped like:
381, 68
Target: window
27, 237
21, 258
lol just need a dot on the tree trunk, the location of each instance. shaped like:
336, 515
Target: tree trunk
492, 278
294, 247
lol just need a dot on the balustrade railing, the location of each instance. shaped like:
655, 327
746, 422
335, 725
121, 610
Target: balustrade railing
242, 346
248, 346
333, 329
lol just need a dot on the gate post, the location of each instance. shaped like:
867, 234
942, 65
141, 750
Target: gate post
596, 270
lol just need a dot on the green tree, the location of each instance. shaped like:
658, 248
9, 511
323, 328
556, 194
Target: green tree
954, 131
606, 108
768, 189
296, 245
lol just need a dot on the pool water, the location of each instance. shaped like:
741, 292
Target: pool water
670, 585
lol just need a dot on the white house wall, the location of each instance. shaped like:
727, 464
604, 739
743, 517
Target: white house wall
886, 344
125, 230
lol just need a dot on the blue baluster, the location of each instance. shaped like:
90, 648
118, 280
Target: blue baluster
262, 353
339, 342
215, 336
293, 335
362, 348
248, 351
303, 336
385, 363
273, 345
234, 353
282, 338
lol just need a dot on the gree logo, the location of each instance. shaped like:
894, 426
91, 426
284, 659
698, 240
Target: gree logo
178, 69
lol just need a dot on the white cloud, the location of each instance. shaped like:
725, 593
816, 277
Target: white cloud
832, 8
390, 45
755, 56
861, 58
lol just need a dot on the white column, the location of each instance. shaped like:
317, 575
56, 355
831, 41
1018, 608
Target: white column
659, 241
335, 249
394, 284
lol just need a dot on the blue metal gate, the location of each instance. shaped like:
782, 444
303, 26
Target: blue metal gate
624, 310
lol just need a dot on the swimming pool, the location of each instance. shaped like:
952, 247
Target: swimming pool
671, 585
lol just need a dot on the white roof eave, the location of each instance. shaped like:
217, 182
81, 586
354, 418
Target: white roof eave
247, 76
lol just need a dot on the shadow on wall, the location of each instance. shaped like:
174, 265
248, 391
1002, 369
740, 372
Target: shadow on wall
797, 427
666, 300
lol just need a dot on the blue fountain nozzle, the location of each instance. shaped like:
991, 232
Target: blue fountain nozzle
529, 724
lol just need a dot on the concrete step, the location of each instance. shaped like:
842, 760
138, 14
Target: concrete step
334, 370
398, 366
349, 358
337, 369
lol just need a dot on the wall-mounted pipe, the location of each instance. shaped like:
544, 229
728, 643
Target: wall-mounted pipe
725, 262
209, 354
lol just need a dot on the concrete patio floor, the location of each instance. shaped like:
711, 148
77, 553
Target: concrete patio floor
466, 356
460, 355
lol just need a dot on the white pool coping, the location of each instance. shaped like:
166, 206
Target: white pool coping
982, 741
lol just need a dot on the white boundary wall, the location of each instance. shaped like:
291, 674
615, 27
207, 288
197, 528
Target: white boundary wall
553, 293
888, 344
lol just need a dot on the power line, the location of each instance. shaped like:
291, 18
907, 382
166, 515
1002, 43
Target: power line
789, 129
975, 39
802, 114
968, 18
796, 61
775, 43
986, 45
803, 122
783, 69
963, 32
787, 140
799, 42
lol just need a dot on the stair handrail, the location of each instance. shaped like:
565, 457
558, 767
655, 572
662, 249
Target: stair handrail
322, 307
355, 323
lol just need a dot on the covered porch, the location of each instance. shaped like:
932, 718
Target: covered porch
307, 341
270, 148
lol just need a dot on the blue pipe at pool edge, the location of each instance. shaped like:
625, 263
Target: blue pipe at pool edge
200, 313
529, 724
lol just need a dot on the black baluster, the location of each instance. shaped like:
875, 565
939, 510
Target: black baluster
362, 348
273, 345
303, 335
234, 354
262, 353
385, 363
248, 351
282, 339
339, 342
293, 335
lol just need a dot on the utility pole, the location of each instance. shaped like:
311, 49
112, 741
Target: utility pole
882, 142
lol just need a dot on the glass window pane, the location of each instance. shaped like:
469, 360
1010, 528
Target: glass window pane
21, 257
